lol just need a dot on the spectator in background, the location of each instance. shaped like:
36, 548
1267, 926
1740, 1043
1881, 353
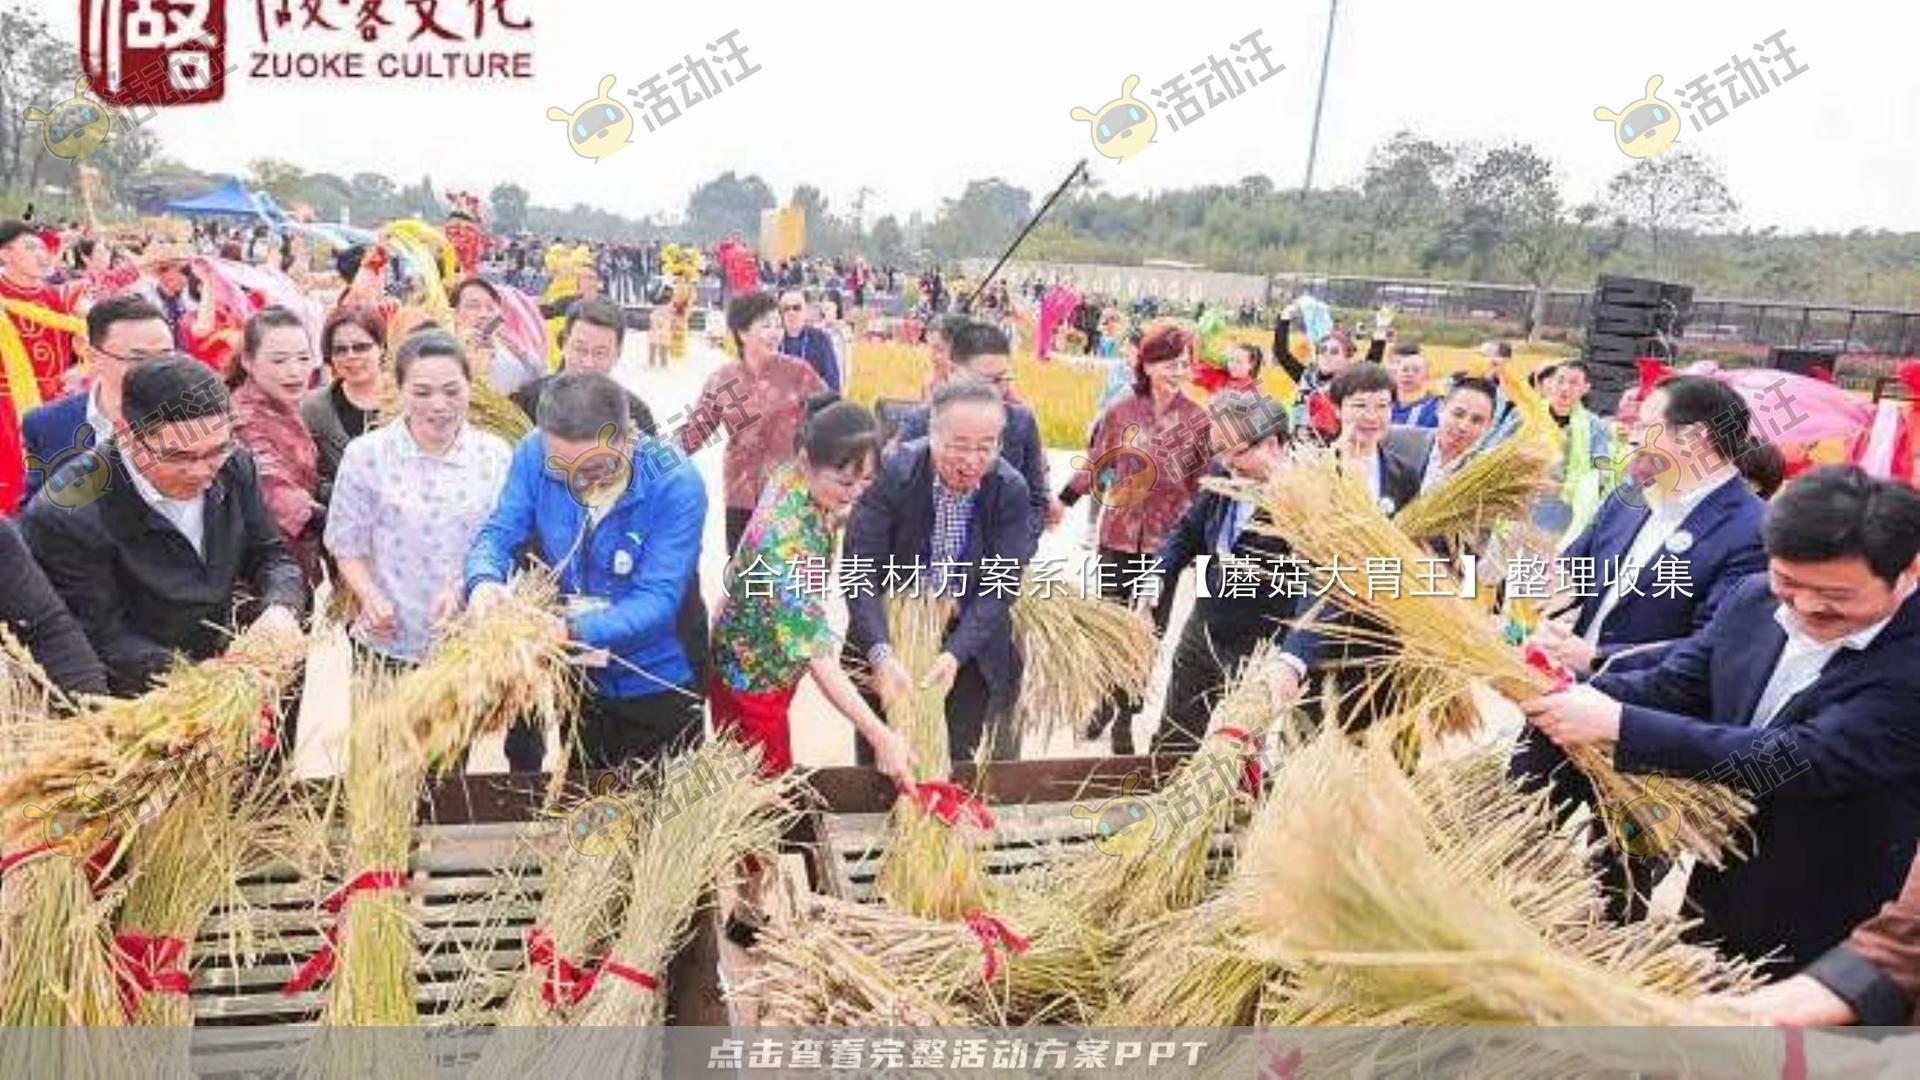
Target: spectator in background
1466, 415
123, 332
1391, 460
409, 499
590, 341
808, 343
179, 545
477, 313
349, 403
1414, 403
588, 474
269, 376
760, 400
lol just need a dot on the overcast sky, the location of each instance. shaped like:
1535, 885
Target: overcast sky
859, 94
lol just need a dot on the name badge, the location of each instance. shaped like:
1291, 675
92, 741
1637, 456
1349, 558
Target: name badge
1680, 543
622, 562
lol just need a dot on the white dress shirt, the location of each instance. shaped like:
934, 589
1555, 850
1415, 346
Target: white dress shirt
97, 419
1802, 660
189, 516
1662, 524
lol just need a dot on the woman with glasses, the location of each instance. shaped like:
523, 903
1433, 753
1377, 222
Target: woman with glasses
268, 377
409, 498
348, 404
1145, 460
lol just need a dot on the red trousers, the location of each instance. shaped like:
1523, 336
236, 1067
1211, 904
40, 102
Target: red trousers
756, 720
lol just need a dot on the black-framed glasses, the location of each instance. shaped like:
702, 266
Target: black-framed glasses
355, 348
134, 358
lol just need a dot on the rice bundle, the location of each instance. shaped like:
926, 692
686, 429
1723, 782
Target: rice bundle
201, 717
1078, 651
586, 885
1444, 643
931, 866
56, 968
1134, 886
371, 940
1377, 912
492, 411
690, 837
486, 671
1499, 484
1188, 968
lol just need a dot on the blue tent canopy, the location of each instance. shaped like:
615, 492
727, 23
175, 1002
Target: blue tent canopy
230, 198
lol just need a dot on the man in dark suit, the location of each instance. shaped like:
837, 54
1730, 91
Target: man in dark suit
1234, 609
1802, 695
178, 544
951, 505
123, 332
591, 340
40, 620
983, 354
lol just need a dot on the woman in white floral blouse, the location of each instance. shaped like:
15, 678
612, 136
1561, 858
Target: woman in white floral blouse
409, 498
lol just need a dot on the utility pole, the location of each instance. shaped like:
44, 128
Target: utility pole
1320, 101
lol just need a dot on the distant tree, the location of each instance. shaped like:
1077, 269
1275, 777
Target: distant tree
981, 221
1679, 191
1403, 193
280, 179
887, 243
509, 205
728, 203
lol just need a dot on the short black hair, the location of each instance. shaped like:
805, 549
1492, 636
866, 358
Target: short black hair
13, 229
1406, 348
1475, 384
581, 404
127, 307
745, 310
840, 436
1502, 349
1362, 378
427, 341
346, 262
171, 390
972, 338
1253, 418
597, 312
1702, 399
1839, 512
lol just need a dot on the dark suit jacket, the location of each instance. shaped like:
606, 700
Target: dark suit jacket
1234, 624
51, 430
1833, 840
1019, 447
36, 615
894, 520
1403, 463
1726, 549
137, 586
1877, 971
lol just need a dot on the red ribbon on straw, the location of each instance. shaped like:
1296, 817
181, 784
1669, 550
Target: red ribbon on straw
148, 965
96, 862
949, 802
1251, 773
610, 966
266, 735
320, 965
564, 980
992, 934
1538, 660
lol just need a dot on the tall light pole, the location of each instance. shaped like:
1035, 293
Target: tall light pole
1320, 101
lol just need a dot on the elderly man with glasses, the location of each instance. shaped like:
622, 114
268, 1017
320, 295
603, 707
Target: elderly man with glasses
178, 544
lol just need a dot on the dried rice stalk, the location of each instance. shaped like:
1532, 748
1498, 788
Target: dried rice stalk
492, 411
1378, 911
858, 965
1142, 884
1498, 484
56, 971
720, 811
1446, 643
199, 718
1188, 968
929, 867
1078, 651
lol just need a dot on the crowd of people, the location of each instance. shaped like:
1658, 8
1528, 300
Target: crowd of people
178, 490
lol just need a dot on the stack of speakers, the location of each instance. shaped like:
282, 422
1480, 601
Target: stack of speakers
1630, 318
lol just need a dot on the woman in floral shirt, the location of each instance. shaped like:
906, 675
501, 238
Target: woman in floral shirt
1143, 466
772, 630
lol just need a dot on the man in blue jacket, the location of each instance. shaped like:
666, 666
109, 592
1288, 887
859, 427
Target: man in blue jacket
123, 332
1801, 693
618, 517
804, 342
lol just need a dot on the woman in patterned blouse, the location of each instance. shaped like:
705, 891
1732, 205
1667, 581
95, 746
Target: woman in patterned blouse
409, 498
1143, 466
772, 630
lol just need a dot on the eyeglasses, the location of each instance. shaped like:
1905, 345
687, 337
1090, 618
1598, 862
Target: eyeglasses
355, 348
175, 459
793, 307
133, 358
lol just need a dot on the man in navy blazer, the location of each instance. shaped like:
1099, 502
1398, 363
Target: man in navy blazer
1696, 524
123, 332
983, 354
950, 505
1802, 693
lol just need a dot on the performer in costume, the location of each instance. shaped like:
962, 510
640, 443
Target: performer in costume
36, 344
